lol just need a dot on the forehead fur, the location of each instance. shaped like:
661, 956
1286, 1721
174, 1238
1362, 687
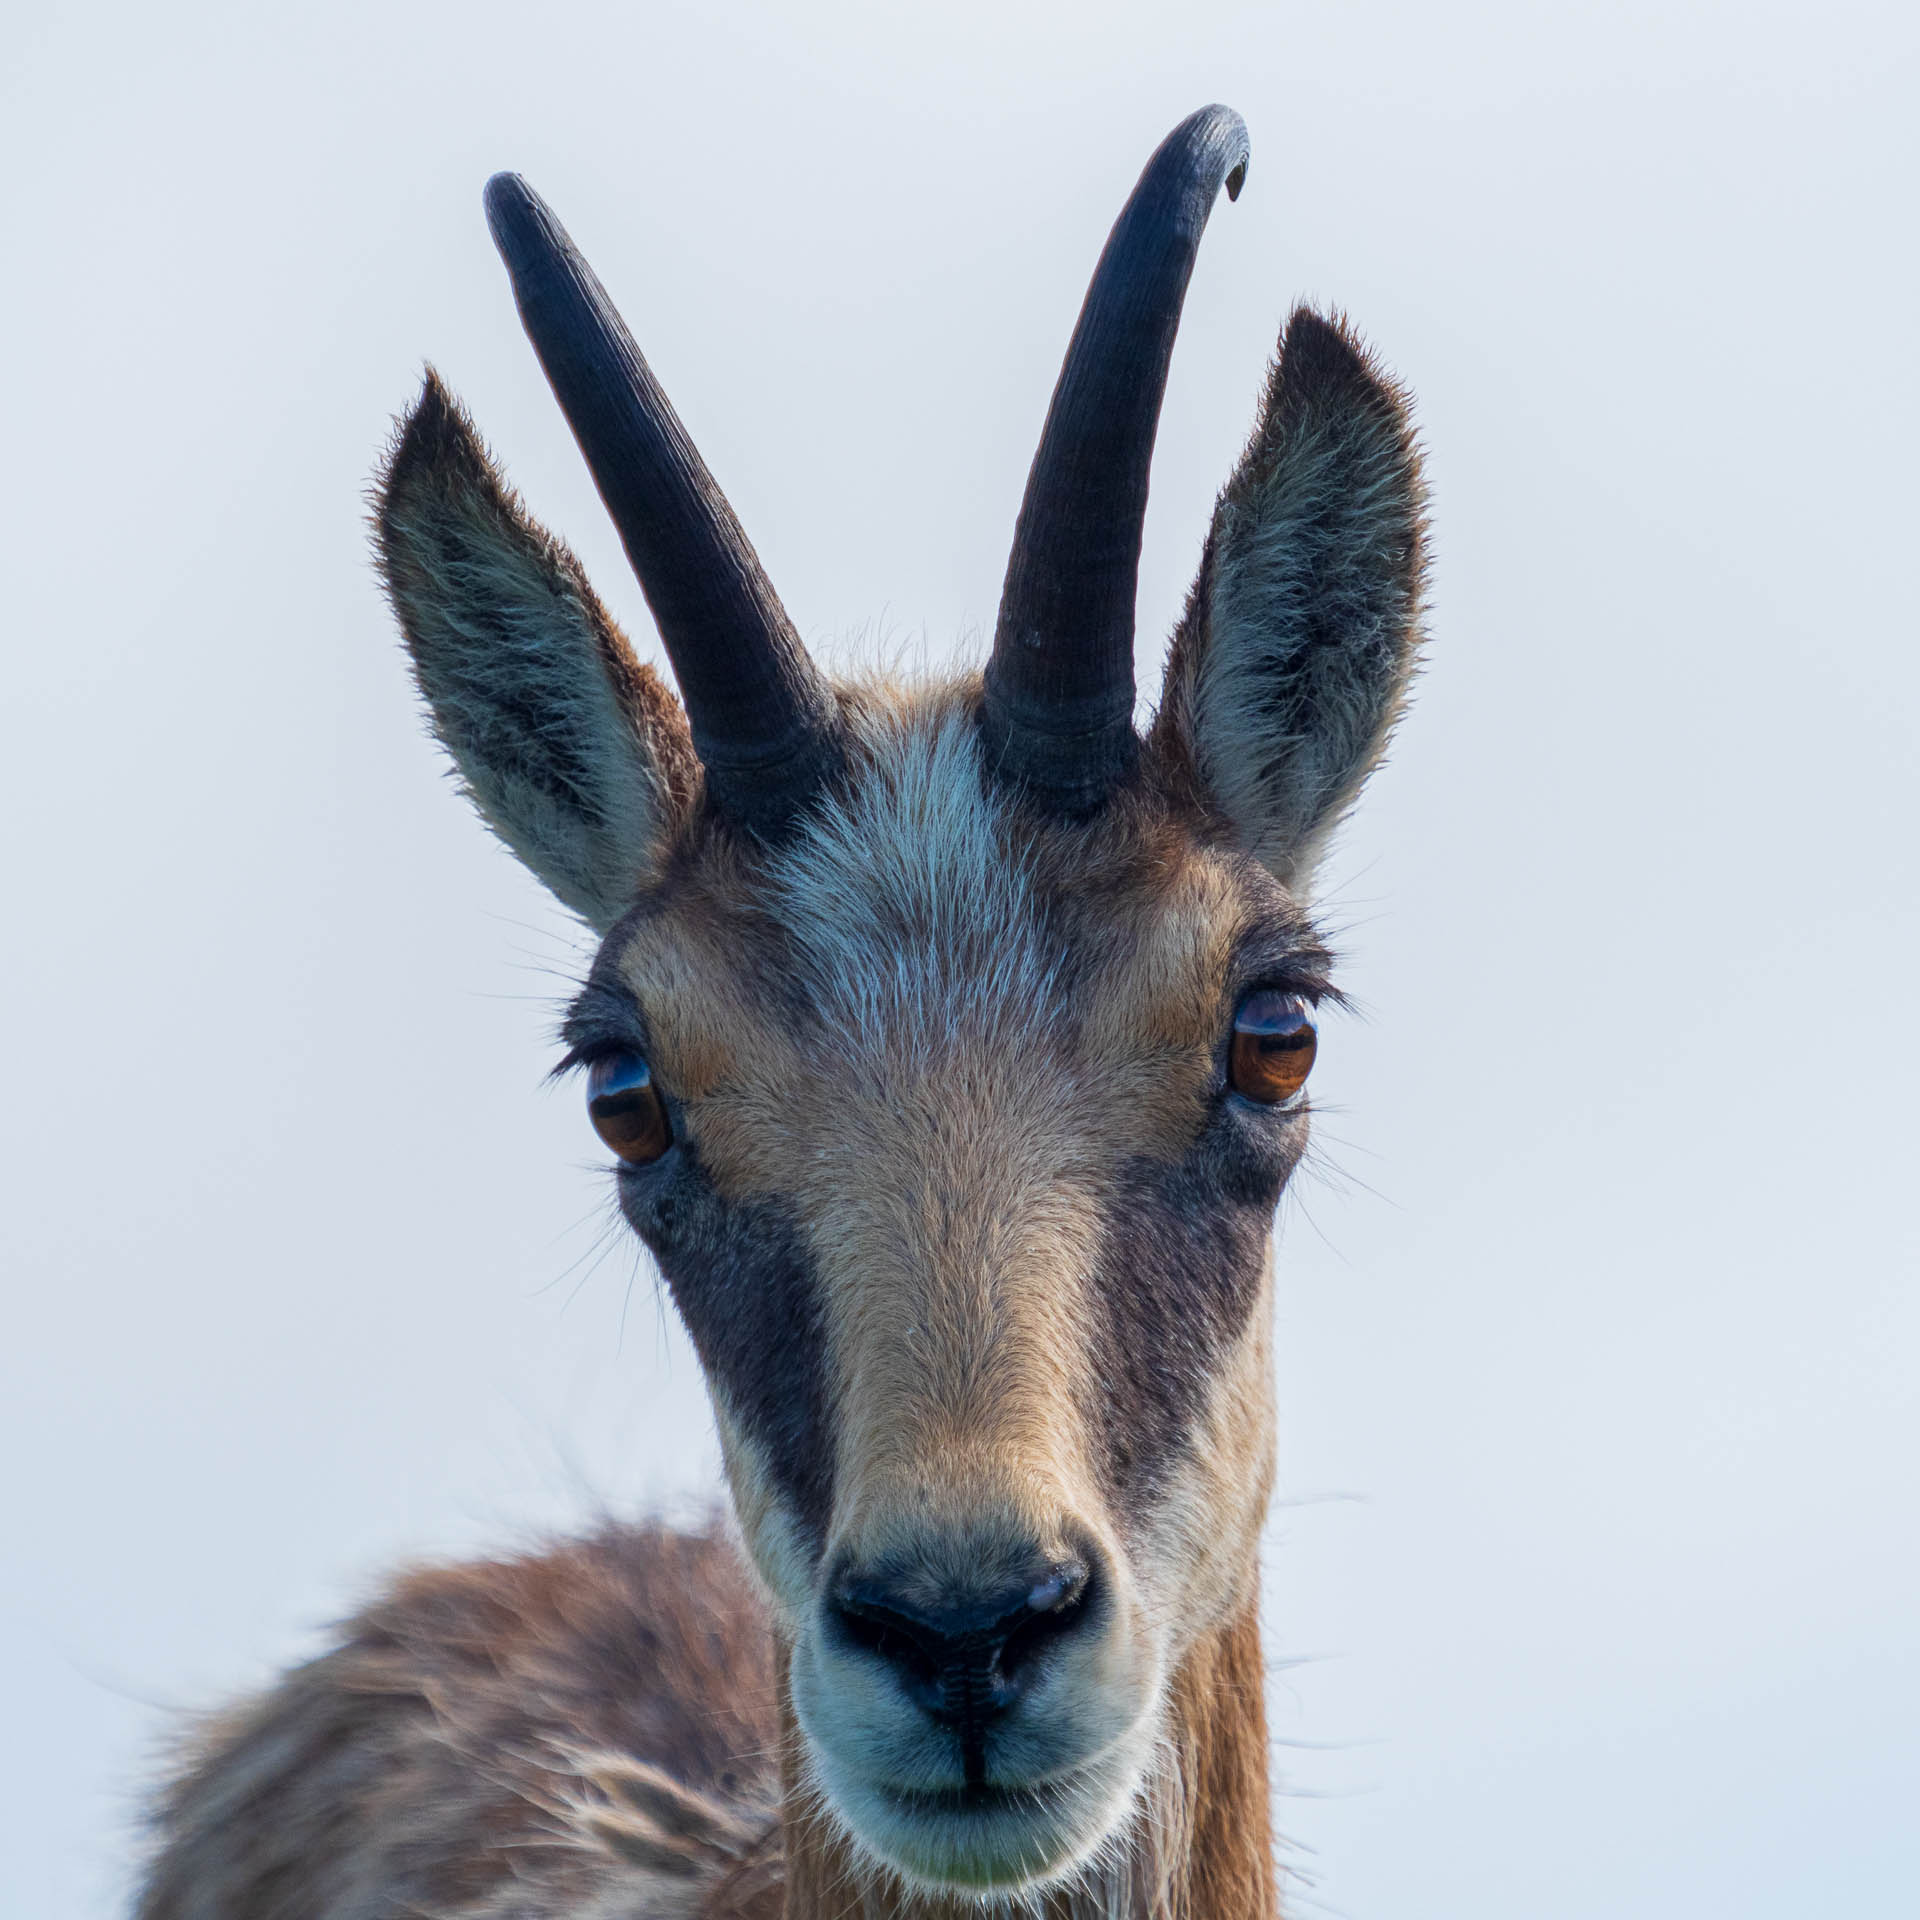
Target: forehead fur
913, 900
922, 904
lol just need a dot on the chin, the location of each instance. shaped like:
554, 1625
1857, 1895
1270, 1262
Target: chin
987, 1840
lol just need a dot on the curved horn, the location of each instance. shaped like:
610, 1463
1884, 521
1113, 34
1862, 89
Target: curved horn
1059, 688
762, 715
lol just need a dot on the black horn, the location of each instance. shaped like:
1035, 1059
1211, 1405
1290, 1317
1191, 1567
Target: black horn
762, 716
1059, 688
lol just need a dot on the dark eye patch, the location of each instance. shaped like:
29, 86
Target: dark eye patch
1179, 1274
746, 1291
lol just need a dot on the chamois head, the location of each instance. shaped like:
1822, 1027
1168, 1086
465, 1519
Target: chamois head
950, 1038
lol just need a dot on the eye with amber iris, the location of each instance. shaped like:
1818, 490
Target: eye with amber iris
1273, 1047
626, 1108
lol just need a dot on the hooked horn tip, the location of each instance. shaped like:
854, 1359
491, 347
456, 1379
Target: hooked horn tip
502, 191
1220, 124
514, 213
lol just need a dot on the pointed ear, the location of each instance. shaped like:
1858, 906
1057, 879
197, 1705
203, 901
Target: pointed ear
575, 754
1292, 659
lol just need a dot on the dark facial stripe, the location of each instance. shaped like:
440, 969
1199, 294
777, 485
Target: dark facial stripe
1178, 1278
746, 1290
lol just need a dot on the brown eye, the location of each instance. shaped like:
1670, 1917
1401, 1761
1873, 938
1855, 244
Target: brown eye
1273, 1047
626, 1108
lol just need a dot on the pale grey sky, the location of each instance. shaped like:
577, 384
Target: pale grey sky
1599, 1329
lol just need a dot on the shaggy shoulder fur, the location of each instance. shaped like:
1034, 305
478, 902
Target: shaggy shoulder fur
604, 1714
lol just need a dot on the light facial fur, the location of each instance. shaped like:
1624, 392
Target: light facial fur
939, 1042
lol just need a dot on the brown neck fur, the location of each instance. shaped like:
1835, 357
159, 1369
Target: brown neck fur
1204, 1853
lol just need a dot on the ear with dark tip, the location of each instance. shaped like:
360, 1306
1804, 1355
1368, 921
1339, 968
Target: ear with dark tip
1292, 660
574, 752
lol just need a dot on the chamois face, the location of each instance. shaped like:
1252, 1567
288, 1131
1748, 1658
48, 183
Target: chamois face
950, 1038
969, 1225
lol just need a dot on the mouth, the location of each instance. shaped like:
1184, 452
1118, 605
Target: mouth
985, 1802
988, 1838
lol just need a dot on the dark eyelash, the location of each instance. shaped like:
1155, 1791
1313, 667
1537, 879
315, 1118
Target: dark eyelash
602, 1020
1286, 959
1314, 988
571, 1061
590, 1049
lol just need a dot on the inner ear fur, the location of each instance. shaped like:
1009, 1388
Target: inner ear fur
1292, 659
576, 754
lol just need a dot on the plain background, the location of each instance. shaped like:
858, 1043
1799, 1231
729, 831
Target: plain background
1594, 1592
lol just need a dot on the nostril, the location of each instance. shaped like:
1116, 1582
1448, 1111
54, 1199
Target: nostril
1055, 1607
868, 1621
1061, 1589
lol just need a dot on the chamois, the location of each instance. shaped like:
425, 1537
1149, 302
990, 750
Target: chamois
950, 1042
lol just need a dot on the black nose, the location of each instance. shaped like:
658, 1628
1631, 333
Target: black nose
964, 1657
